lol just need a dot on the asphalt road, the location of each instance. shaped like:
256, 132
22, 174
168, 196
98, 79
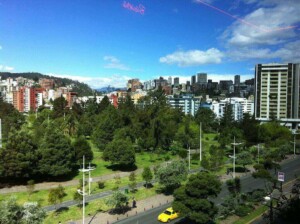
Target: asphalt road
290, 168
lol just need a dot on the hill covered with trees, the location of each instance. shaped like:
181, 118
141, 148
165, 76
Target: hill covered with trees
81, 88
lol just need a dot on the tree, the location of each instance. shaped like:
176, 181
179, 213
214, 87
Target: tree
82, 148
171, 175
12, 213
30, 186
132, 179
56, 154
33, 213
19, 157
78, 197
118, 200
56, 195
193, 199
234, 186
59, 107
147, 175
244, 158
208, 119
121, 152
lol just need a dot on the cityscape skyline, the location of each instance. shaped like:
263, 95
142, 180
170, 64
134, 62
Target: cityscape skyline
105, 42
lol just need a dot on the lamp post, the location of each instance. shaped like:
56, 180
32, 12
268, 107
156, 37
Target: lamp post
294, 133
82, 192
90, 179
200, 145
189, 158
234, 144
258, 151
0, 133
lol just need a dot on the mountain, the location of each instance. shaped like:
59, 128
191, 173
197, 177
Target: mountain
109, 89
81, 88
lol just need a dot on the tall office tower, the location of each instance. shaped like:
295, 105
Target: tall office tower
170, 81
202, 78
237, 80
193, 80
277, 93
176, 81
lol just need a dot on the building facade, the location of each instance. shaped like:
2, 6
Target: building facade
277, 90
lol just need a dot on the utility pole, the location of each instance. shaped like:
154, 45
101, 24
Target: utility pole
189, 158
90, 179
234, 144
200, 143
0, 133
257, 153
82, 192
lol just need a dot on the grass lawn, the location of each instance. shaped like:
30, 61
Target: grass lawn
75, 213
42, 196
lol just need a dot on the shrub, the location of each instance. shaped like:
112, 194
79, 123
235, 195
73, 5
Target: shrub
243, 210
101, 184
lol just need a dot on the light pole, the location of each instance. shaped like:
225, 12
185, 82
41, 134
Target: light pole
0, 133
90, 179
82, 192
200, 143
234, 144
294, 133
258, 151
189, 158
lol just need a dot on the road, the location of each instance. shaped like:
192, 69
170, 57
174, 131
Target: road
290, 168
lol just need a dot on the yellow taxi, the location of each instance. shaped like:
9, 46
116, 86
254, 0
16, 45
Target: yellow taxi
168, 215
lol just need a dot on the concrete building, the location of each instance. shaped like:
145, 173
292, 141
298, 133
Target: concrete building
193, 80
187, 103
176, 81
277, 90
202, 78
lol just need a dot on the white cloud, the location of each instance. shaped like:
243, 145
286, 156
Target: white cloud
193, 57
0, 47
116, 80
114, 63
6, 68
205, 1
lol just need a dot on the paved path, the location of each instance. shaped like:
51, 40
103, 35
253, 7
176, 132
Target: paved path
49, 185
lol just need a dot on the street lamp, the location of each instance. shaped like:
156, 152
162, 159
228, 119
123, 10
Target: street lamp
90, 168
82, 192
258, 150
294, 133
234, 144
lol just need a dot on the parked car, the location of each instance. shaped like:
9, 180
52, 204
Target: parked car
168, 215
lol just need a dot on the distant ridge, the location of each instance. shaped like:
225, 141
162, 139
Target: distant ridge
81, 88
109, 89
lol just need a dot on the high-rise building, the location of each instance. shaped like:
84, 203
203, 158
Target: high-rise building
193, 79
277, 90
170, 81
202, 78
176, 81
237, 80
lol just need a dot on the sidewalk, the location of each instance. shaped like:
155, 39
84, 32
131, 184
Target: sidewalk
50, 185
142, 206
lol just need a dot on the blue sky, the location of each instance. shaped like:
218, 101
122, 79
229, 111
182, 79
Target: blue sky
107, 42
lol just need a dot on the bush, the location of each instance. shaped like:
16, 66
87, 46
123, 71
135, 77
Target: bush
196, 156
243, 210
182, 153
257, 195
167, 158
101, 184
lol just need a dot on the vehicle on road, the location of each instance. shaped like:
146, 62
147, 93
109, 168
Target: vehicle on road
168, 215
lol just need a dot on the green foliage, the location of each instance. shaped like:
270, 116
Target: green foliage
182, 153
192, 200
208, 119
56, 154
19, 157
82, 148
11, 118
30, 186
121, 152
78, 197
273, 134
101, 184
59, 107
243, 210
132, 179
147, 175
171, 175
244, 158
118, 200
234, 186
12, 213
56, 195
